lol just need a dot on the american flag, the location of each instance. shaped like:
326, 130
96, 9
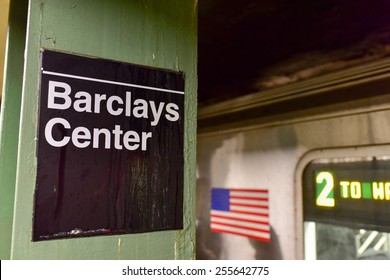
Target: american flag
240, 211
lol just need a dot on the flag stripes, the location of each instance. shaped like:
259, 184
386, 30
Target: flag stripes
240, 211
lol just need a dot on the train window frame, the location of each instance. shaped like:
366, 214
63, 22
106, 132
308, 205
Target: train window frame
301, 226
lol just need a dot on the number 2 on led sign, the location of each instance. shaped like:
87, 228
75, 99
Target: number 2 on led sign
325, 197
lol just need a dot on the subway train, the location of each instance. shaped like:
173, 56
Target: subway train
320, 148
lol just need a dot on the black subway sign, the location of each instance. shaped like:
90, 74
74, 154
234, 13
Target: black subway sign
83, 102
110, 148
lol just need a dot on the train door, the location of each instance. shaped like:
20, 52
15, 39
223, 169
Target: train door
346, 201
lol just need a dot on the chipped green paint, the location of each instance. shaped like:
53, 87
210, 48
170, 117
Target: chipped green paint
154, 33
9, 121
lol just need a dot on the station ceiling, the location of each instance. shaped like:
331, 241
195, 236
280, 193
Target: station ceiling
248, 46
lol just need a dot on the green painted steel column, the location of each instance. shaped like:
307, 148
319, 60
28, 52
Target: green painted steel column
9, 121
153, 33
4, 10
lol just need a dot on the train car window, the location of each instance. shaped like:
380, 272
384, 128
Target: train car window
346, 204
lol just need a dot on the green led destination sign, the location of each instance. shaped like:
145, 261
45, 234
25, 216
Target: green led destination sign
352, 191
325, 188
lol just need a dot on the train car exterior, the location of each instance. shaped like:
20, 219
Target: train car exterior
272, 152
